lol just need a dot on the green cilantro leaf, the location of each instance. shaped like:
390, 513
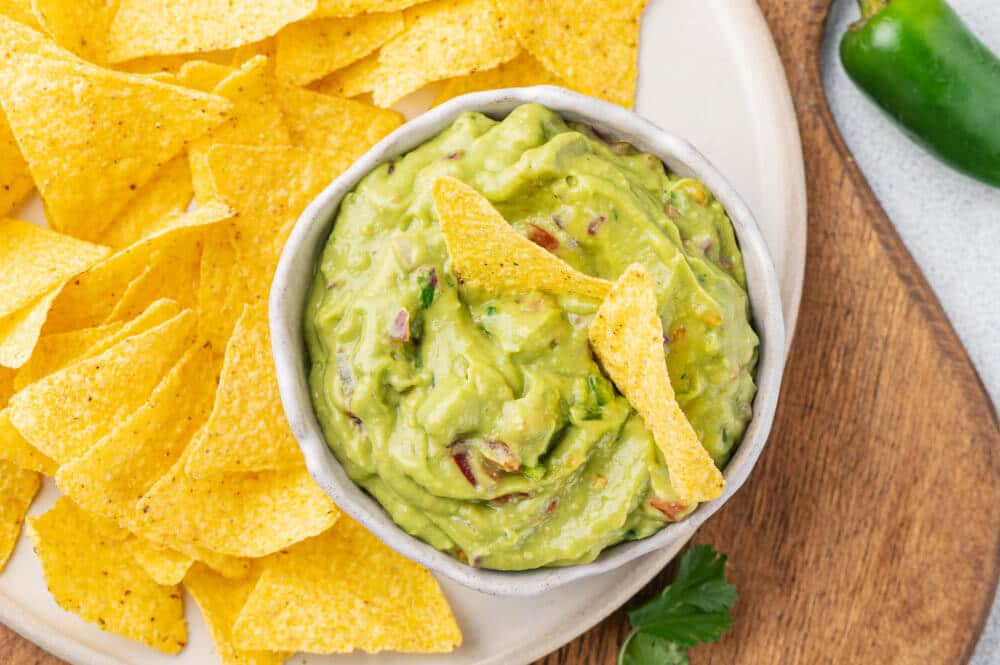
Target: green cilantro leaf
642, 649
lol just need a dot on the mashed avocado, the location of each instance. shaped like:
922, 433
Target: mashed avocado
483, 424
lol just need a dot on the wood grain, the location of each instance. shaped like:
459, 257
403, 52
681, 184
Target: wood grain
870, 531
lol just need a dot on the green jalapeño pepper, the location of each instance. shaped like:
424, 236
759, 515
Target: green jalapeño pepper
920, 63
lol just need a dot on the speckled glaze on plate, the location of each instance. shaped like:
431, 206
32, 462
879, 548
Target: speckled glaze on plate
736, 107
294, 279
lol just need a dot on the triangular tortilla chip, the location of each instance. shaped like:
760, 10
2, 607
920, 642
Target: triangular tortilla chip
310, 50
443, 39
164, 565
18, 488
92, 574
203, 75
161, 27
524, 70
327, 593
122, 127
240, 514
154, 207
248, 384
330, 123
19, 331
15, 178
14, 449
221, 601
489, 253
79, 26
126, 463
222, 290
353, 80
37, 260
593, 47
627, 337
66, 413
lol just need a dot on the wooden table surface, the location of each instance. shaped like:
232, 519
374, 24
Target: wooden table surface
870, 530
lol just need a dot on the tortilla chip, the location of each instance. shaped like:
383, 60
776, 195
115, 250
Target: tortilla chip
627, 337
161, 27
240, 514
91, 574
323, 122
66, 413
53, 352
257, 120
79, 26
15, 178
123, 127
593, 47
18, 488
165, 566
265, 47
523, 70
203, 75
222, 290
443, 39
490, 254
231, 442
89, 298
310, 50
15, 450
172, 64
345, 590
270, 187
353, 80
20, 11
19, 331
154, 206
128, 461
327, 8
36, 260
221, 602
230, 567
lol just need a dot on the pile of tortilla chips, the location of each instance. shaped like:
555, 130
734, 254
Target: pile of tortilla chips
173, 145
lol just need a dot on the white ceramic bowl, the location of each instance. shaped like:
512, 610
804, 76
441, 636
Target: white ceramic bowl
294, 277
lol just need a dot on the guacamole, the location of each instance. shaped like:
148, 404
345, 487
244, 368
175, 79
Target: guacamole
482, 423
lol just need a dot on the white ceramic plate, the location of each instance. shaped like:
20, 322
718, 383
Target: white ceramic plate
709, 73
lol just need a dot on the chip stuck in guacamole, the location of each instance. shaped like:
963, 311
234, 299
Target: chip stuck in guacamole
478, 414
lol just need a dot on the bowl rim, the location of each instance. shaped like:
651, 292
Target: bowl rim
294, 277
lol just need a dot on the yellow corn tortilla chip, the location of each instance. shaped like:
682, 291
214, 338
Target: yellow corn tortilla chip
326, 8
230, 567
161, 27
266, 47
257, 120
15, 178
18, 488
165, 566
222, 290
91, 574
327, 595
232, 442
154, 207
524, 70
15, 450
37, 260
353, 80
627, 337
310, 50
19, 331
203, 75
240, 514
323, 122
89, 298
79, 26
124, 127
593, 46
110, 477
67, 412
443, 39
20, 11
489, 253
55, 351
270, 187
221, 601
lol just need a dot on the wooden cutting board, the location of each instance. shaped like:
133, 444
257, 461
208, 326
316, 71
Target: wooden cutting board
870, 530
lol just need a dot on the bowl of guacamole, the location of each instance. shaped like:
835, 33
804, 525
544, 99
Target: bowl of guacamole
474, 430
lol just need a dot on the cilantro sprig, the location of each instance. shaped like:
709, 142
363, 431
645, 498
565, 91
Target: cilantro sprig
691, 611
